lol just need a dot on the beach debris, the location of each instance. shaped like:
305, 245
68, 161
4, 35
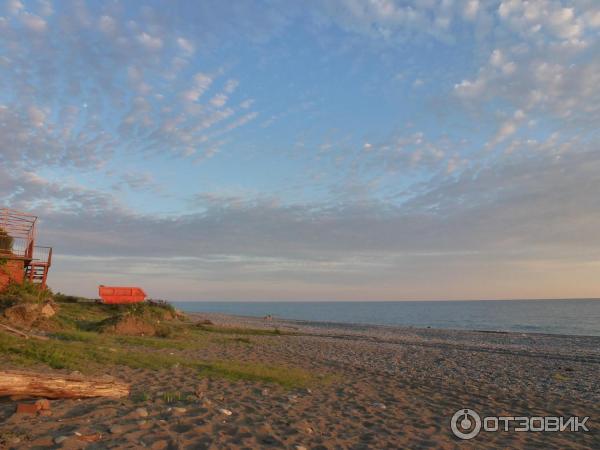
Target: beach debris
225, 412
204, 322
141, 412
95, 437
160, 445
43, 404
60, 439
58, 386
27, 408
201, 388
116, 429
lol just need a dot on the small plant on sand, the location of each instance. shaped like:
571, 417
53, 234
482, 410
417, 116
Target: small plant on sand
172, 397
140, 397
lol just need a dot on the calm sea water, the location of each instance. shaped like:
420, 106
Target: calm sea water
576, 317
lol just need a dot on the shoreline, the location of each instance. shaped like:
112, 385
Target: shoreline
373, 327
579, 318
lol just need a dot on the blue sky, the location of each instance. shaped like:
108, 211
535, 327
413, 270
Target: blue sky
339, 149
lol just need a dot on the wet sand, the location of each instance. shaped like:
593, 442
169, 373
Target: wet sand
384, 387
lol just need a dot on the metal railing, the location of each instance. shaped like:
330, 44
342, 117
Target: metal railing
42, 255
17, 233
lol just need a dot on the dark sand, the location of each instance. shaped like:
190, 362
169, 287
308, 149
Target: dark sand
388, 388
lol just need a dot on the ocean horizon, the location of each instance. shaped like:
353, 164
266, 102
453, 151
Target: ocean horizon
556, 316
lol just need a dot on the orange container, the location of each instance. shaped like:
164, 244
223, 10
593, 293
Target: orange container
121, 294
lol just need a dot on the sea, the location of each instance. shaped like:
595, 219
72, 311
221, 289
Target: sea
570, 317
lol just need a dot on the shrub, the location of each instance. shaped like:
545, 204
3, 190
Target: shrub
25, 292
64, 298
6, 242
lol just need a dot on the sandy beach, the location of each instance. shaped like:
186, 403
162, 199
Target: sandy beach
374, 387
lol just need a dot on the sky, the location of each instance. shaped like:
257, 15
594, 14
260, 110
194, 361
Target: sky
318, 150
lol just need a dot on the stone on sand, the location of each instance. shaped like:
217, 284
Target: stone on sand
225, 411
141, 412
116, 429
60, 439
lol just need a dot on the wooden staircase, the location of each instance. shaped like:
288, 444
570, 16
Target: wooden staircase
36, 271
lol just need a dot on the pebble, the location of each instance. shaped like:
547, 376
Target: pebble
300, 447
159, 445
60, 439
379, 405
264, 392
225, 411
141, 412
115, 429
179, 410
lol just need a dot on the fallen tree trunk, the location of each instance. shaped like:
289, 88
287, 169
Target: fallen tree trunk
22, 334
58, 386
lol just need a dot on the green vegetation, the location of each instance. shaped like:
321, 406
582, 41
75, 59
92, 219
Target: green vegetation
88, 354
78, 341
286, 376
25, 292
6, 242
172, 397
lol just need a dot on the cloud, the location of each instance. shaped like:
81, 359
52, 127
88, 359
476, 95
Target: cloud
187, 46
218, 100
14, 6
150, 42
201, 83
34, 23
511, 190
138, 181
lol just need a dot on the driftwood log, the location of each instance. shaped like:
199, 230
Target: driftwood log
22, 334
13, 383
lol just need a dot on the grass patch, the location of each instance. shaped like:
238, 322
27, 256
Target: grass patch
81, 316
234, 370
87, 353
76, 344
